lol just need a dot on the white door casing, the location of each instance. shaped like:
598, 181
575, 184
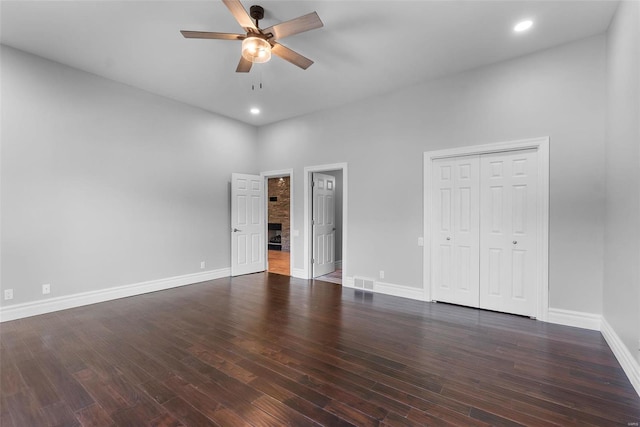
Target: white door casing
508, 255
307, 237
455, 242
324, 226
247, 224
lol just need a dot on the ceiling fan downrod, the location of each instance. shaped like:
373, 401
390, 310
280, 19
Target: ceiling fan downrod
257, 13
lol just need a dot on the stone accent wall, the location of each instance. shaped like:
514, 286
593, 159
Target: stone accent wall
279, 210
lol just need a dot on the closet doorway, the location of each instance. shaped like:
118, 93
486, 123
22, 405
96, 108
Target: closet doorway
486, 217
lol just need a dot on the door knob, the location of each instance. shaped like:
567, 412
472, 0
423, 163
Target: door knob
448, 238
515, 242
235, 230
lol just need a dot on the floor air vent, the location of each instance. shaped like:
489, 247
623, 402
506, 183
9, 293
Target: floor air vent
363, 283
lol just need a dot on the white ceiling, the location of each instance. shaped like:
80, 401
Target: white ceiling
365, 47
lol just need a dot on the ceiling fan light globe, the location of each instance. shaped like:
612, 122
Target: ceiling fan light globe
256, 50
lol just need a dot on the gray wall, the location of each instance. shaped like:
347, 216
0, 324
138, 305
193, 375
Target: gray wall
558, 93
622, 241
105, 185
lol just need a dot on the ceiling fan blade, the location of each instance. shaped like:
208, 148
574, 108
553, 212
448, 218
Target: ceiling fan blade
210, 35
289, 55
301, 24
244, 66
240, 13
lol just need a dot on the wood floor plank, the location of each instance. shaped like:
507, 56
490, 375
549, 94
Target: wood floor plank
271, 350
350, 414
283, 412
10, 379
136, 415
23, 410
45, 392
70, 391
279, 262
59, 414
157, 391
257, 417
102, 391
165, 420
188, 414
94, 416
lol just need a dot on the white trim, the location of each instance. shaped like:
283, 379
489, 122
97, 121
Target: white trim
338, 264
299, 273
629, 364
389, 289
399, 290
347, 282
278, 174
542, 146
308, 241
577, 319
34, 308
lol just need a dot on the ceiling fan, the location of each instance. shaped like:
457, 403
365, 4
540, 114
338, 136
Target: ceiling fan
258, 43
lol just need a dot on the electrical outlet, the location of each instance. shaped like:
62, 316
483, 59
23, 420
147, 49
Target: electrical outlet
202, 264
46, 289
382, 274
8, 294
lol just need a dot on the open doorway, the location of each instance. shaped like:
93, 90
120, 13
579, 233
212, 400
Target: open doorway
278, 211
325, 222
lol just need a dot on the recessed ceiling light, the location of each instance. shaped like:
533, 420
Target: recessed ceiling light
255, 110
523, 26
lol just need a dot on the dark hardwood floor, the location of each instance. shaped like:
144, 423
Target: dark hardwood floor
270, 350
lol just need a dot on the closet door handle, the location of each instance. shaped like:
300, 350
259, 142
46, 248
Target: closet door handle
515, 242
448, 238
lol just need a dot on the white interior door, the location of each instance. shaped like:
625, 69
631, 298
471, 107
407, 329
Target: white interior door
324, 225
455, 242
247, 224
508, 235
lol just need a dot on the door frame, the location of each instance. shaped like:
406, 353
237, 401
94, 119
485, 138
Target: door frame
540, 144
266, 176
308, 215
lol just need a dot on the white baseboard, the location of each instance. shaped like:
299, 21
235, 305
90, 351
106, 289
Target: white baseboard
338, 264
399, 290
34, 308
629, 364
299, 273
390, 289
577, 319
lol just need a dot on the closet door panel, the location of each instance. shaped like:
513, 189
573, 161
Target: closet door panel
455, 250
508, 246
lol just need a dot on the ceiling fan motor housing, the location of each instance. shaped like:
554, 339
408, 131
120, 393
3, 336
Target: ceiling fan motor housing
256, 12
